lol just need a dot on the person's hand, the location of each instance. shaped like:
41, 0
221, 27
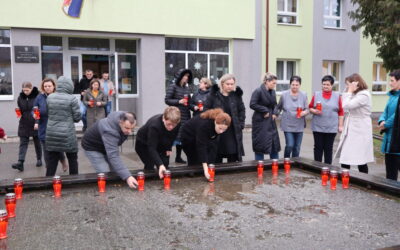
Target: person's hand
161, 171
201, 108
36, 126
206, 174
34, 116
382, 125
340, 129
131, 181
182, 101
273, 117
196, 108
315, 111
266, 115
353, 86
83, 93
5, 137
98, 104
303, 113
168, 153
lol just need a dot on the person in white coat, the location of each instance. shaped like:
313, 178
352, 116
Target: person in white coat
356, 143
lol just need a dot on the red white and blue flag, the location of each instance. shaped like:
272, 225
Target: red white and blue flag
72, 8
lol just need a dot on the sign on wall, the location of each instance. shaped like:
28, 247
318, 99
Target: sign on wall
72, 8
26, 54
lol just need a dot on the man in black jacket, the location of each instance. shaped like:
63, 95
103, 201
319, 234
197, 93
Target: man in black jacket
154, 139
81, 88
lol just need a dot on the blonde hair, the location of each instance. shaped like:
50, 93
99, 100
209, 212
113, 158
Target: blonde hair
47, 80
172, 114
27, 85
218, 115
206, 81
268, 76
225, 78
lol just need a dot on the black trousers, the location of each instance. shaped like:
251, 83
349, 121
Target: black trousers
229, 157
23, 147
46, 154
323, 146
53, 159
149, 163
361, 168
392, 163
191, 154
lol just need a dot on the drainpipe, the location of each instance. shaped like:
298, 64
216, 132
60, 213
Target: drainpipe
267, 35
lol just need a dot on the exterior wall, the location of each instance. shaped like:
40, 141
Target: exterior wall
198, 18
336, 44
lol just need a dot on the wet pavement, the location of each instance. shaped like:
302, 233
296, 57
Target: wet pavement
238, 211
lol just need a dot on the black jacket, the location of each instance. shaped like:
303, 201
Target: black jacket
82, 86
25, 104
395, 139
264, 131
200, 134
157, 138
199, 96
238, 112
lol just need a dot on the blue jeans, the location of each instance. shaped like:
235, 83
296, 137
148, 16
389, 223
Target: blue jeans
83, 109
260, 156
108, 107
293, 142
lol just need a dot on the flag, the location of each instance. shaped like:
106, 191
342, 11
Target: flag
72, 8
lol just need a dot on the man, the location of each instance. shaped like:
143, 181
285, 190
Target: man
107, 87
101, 144
81, 88
154, 140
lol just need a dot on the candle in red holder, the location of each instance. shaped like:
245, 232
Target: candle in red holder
286, 165
18, 187
345, 178
319, 106
260, 168
167, 179
10, 202
324, 176
186, 97
91, 102
18, 112
110, 92
333, 180
3, 224
140, 179
101, 182
57, 185
211, 172
299, 110
275, 166
36, 112
200, 104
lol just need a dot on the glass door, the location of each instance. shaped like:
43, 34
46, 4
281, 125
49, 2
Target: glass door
114, 77
76, 70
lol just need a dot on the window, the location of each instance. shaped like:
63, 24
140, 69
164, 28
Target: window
52, 57
88, 44
379, 76
51, 43
6, 88
125, 46
287, 11
332, 68
285, 70
332, 13
205, 57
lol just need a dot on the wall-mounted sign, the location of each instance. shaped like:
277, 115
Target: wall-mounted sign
26, 54
72, 8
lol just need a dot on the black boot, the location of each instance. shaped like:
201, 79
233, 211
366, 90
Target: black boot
178, 158
19, 166
39, 163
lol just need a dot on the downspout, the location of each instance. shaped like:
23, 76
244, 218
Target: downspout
267, 35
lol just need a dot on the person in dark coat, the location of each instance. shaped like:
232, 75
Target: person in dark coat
154, 140
26, 125
81, 88
47, 87
178, 95
95, 100
63, 111
228, 97
199, 99
200, 137
264, 132
2, 136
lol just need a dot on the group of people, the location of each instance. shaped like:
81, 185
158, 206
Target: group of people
215, 130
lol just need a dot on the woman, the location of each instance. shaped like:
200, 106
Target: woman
178, 95
199, 99
95, 101
63, 111
26, 125
47, 87
326, 122
356, 143
389, 124
228, 97
294, 105
2, 136
199, 137
264, 131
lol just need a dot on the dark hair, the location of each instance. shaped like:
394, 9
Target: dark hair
395, 74
93, 81
88, 70
295, 78
128, 116
328, 78
105, 72
357, 78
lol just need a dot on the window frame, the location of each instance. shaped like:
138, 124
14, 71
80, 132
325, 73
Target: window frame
288, 13
329, 72
285, 81
11, 96
375, 81
333, 17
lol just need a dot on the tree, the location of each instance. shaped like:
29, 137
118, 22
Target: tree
380, 20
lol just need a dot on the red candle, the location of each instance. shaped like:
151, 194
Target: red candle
36, 112
275, 166
91, 102
57, 185
200, 104
10, 202
140, 179
211, 172
345, 178
18, 112
18, 187
299, 110
324, 176
186, 97
167, 179
110, 92
3, 224
274, 179
333, 180
101, 182
260, 168
319, 106
286, 165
